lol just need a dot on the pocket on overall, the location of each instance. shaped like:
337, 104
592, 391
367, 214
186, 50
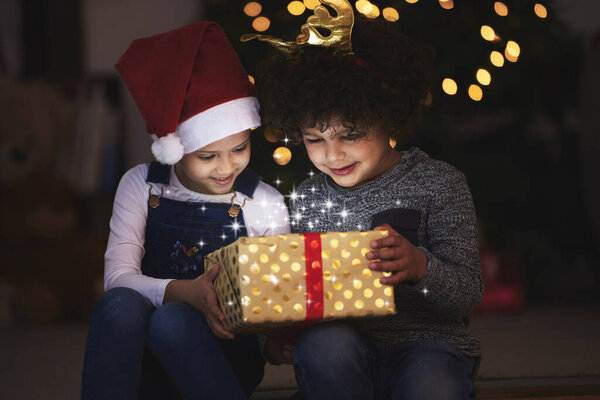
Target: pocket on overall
186, 247
404, 221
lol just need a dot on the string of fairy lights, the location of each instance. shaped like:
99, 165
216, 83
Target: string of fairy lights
504, 49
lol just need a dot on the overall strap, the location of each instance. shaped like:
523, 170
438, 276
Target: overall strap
159, 173
247, 182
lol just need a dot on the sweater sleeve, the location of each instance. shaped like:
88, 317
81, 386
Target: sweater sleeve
125, 249
452, 283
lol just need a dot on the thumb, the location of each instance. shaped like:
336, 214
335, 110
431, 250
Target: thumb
213, 272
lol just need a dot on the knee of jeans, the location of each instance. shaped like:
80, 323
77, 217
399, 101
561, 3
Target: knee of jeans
173, 323
123, 308
329, 345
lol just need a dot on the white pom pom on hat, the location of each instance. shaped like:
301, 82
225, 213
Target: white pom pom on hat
168, 149
191, 88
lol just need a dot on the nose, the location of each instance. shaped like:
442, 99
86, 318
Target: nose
334, 151
226, 165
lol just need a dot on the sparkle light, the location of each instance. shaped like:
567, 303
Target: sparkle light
497, 58
449, 86
252, 9
282, 155
483, 77
424, 291
296, 7
475, 92
501, 9
540, 10
390, 14
277, 181
487, 32
261, 24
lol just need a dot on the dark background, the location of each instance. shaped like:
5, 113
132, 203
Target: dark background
529, 149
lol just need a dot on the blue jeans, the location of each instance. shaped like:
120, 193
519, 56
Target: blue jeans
136, 351
332, 361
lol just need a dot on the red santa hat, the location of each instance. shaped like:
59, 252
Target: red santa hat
191, 88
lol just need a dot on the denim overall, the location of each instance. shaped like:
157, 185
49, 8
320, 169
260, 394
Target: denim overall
135, 350
179, 234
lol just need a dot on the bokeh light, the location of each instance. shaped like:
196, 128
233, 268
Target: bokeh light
501, 9
252, 9
311, 4
447, 4
487, 32
411, 1
390, 14
483, 77
392, 143
540, 10
512, 51
282, 155
449, 86
475, 92
497, 58
261, 24
296, 8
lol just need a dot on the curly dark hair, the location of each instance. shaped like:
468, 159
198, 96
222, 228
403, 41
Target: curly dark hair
384, 84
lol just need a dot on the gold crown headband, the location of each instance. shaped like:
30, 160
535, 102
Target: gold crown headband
339, 40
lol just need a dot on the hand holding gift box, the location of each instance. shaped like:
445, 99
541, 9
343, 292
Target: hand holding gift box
272, 281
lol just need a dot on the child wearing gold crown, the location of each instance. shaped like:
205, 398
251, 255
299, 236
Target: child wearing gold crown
344, 100
158, 331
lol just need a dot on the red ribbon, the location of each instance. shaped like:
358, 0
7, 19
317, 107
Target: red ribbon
314, 276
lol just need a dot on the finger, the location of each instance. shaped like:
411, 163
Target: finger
396, 278
396, 240
392, 266
213, 306
218, 329
387, 253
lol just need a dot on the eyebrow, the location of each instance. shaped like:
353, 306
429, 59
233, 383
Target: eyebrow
234, 147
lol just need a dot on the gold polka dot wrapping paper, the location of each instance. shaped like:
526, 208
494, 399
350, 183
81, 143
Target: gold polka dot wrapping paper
273, 281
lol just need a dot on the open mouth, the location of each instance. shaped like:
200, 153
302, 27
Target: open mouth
223, 181
344, 170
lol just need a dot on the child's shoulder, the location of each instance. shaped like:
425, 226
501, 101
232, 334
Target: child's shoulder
264, 191
429, 171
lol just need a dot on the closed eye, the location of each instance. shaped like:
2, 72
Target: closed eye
207, 157
312, 141
240, 149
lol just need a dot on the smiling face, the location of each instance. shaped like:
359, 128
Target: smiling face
214, 168
349, 159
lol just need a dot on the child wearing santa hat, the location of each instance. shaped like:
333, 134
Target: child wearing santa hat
159, 317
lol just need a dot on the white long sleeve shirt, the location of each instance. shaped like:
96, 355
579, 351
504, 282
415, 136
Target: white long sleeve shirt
265, 215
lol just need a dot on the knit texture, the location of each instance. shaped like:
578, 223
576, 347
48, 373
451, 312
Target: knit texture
439, 306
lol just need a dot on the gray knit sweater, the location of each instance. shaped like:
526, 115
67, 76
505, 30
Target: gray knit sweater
429, 202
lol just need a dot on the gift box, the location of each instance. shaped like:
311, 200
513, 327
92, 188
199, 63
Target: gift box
273, 281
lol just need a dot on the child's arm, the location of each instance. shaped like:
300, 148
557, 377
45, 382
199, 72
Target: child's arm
200, 294
451, 282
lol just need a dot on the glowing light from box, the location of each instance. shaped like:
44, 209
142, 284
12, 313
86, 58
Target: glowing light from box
282, 155
487, 32
475, 92
392, 143
251, 79
501, 9
311, 4
497, 58
540, 10
296, 8
483, 77
449, 86
252, 9
390, 14
261, 24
